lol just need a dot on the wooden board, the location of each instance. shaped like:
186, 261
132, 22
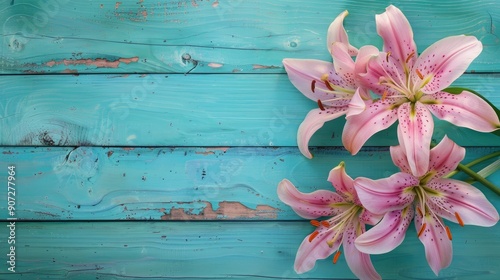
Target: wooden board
149, 137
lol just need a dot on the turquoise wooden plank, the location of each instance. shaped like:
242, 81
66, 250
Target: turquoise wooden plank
61, 36
178, 110
94, 183
206, 250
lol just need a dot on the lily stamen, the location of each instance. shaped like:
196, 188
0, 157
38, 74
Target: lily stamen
409, 57
315, 223
419, 74
459, 219
448, 232
313, 235
320, 105
422, 229
325, 224
313, 85
336, 257
387, 56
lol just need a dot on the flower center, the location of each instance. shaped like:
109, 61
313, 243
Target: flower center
338, 93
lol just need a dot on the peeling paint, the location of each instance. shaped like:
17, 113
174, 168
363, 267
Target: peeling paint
212, 150
98, 62
215, 65
229, 210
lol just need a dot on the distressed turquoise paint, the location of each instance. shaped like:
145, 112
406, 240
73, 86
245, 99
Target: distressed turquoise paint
179, 110
147, 142
222, 36
204, 250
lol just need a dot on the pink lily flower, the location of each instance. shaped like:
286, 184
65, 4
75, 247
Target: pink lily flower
411, 89
429, 198
348, 219
333, 86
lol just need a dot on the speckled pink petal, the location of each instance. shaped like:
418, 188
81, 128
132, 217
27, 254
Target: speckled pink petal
343, 62
445, 61
306, 75
357, 104
462, 198
359, 128
343, 183
445, 157
386, 235
308, 205
397, 34
388, 194
416, 127
311, 251
465, 109
398, 155
364, 55
314, 121
438, 246
359, 263
336, 33
367, 217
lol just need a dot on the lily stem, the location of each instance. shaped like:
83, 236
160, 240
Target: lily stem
476, 161
478, 178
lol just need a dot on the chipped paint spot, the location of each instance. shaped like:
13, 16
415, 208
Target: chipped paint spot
131, 137
128, 148
117, 5
212, 150
215, 65
98, 62
215, 4
227, 210
193, 2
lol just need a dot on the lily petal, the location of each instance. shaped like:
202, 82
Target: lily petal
465, 109
386, 235
397, 34
446, 60
307, 76
314, 121
416, 125
359, 128
445, 157
398, 155
357, 104
359, 263
437, 244
388, 194
369, 218
342, 182
459, 197
317, 248
337, 33
342, 61
309, 205
364, 55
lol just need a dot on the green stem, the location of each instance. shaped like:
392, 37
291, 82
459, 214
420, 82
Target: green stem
478, 178
474, 162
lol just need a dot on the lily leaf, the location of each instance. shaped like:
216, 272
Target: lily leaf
458, 90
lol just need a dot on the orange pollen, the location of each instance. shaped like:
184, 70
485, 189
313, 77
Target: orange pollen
448, 231
420, 211
320, 105
327, 84
325, 223
459, 219
324, 77
410, 56
387, 56
313, 235
315, 223
384, 95
313, 85
336, 257
422, 229
419, 74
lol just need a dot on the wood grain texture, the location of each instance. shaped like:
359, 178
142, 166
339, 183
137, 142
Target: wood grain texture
230, 36
93, 183
178, 110
207, 250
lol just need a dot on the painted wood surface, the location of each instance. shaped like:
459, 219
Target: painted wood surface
94, 183
178, 110
149, 136
236, 250
214, 36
